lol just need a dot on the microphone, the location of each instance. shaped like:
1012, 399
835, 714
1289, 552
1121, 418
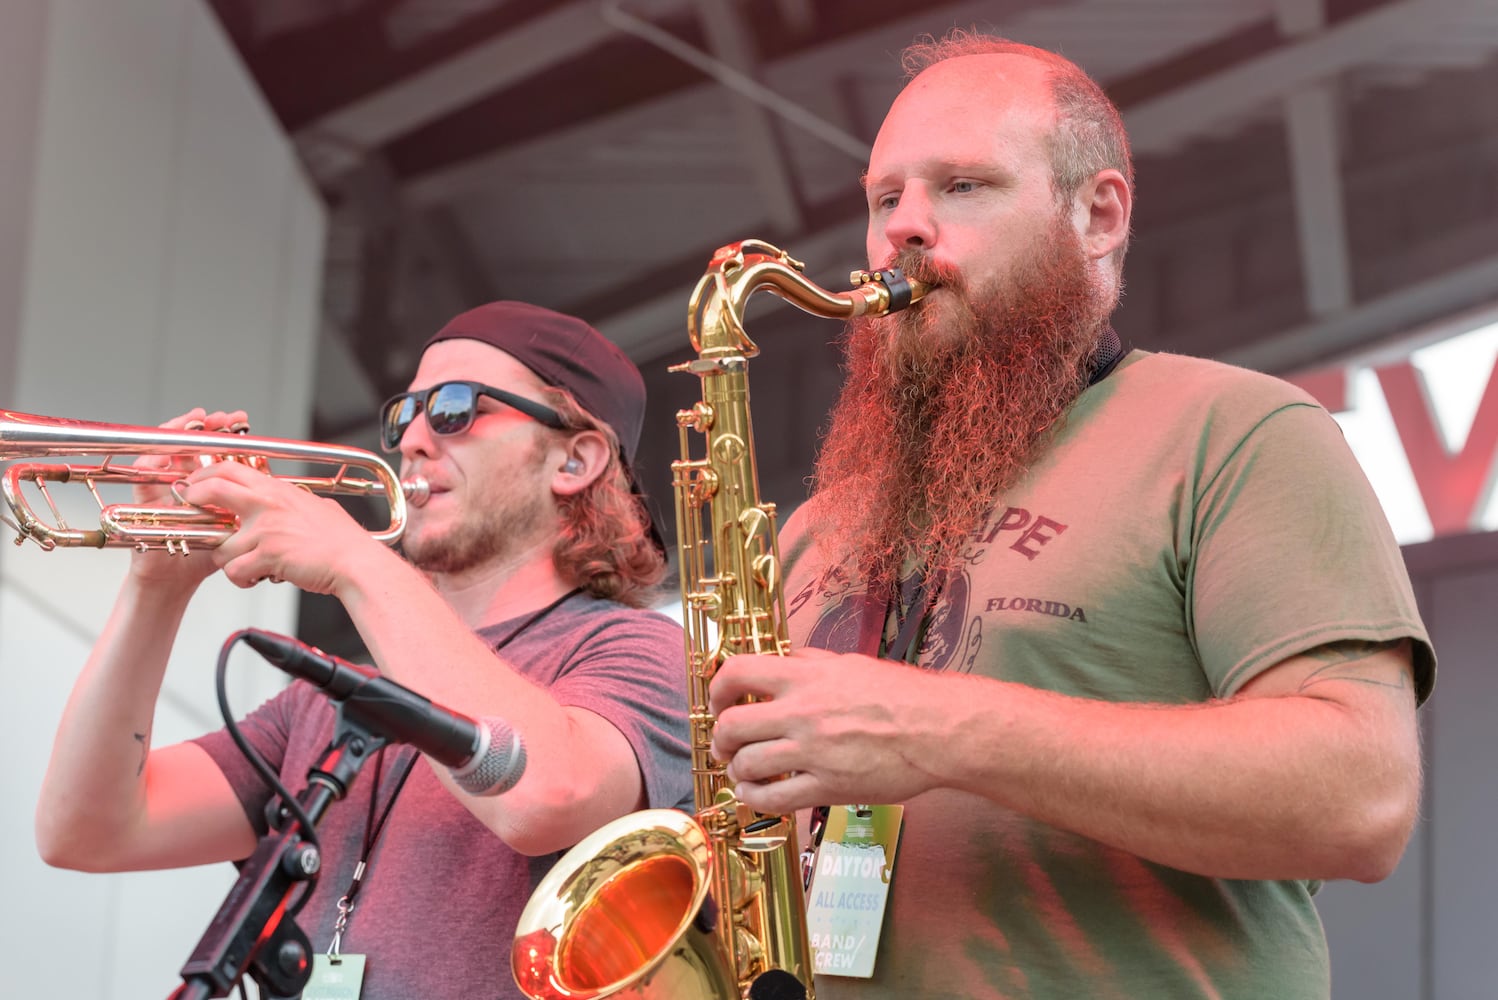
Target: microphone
485, 757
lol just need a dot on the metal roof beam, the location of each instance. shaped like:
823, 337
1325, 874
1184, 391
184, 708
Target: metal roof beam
1299, 17
1316, 188
1160, 123
728, 36
1317, 341
490, 66
1311, 124
454, 181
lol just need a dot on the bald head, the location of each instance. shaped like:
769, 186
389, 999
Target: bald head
1088, 133
980, 90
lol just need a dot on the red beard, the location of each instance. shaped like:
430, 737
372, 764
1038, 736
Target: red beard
946, 405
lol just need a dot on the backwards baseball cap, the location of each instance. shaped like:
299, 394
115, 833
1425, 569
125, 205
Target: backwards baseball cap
567, 353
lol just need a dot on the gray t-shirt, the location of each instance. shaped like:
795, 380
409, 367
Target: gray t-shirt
442, 894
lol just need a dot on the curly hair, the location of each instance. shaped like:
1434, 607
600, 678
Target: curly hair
605, 545
1089, 134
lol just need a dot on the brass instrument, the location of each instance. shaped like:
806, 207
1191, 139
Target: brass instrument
173, 528
658, 904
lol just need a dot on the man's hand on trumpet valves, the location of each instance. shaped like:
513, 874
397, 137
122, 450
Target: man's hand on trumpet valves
286, 534
155, 568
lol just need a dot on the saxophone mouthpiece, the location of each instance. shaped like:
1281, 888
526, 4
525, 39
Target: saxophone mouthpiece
920, 289
899, 292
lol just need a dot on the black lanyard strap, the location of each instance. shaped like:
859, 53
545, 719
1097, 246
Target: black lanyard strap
374, 827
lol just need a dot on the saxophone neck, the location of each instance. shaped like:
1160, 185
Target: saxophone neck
738, 270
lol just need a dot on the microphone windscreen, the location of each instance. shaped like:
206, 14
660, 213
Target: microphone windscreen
498, 763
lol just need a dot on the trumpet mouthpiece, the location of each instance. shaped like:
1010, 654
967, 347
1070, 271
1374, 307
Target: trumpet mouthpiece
417, 491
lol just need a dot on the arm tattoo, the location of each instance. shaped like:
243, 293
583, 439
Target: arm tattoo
1349, 660
141, 767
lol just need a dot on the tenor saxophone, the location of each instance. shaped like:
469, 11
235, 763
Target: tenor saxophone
659, 904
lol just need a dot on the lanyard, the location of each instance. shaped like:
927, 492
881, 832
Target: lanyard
921, 599
372, 830
375, 826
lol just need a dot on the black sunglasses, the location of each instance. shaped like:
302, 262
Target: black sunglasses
450, 408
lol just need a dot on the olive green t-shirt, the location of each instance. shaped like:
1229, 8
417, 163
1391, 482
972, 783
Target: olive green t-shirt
1190, 525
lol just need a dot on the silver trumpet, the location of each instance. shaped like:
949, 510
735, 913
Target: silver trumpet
175, 528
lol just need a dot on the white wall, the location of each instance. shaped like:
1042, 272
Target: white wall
20, 86
1427, 933
170, 257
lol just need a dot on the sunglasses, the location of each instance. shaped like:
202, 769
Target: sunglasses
450, 408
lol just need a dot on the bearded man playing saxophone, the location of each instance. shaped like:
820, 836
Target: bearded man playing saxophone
1163, 655
519, 597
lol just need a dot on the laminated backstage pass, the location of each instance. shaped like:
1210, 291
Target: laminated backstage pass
850, 888
335, 977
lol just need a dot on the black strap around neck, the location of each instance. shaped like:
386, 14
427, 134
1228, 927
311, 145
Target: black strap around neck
537, 616
916, 595
1110, 351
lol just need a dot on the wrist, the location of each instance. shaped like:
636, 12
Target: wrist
149, 579
362, 571
980, 713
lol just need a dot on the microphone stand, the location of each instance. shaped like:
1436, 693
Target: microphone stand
252, 930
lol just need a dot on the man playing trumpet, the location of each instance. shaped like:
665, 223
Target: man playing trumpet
519, 597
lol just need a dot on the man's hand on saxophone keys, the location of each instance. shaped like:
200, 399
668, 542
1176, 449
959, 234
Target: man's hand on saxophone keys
826, 727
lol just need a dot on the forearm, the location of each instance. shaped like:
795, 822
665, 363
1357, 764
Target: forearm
95, 785
579, 773
1277, 787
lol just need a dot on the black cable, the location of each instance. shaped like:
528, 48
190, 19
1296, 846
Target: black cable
309, 831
